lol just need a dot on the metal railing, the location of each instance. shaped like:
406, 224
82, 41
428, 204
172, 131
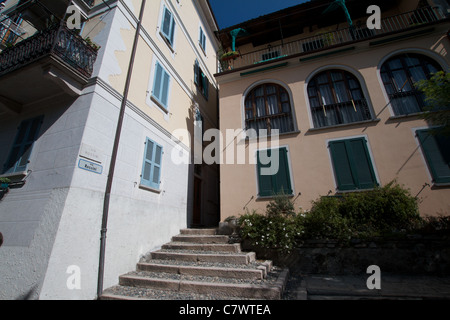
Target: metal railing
322, 41
9, 31
58, 41
340, 113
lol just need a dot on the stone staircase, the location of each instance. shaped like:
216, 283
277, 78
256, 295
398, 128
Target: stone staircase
200, 265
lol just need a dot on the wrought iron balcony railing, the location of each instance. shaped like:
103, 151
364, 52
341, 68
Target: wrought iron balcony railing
390, 25
340, 113
57, 41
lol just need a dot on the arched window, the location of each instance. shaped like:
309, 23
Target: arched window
399, 74
335, 98
268, 107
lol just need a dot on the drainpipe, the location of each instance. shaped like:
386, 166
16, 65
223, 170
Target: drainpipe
101, 267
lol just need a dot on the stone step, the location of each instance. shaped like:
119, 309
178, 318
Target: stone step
263, 290
205, 232
198, 256
205, 239
236, 248
259, 273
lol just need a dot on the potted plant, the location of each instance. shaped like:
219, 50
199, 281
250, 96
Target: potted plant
229, 55
4, 183
92, 44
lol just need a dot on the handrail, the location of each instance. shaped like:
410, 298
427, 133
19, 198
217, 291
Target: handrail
393, 24
57, 40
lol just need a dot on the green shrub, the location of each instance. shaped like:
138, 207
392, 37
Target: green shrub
281, 205
372, 213
325, 221
382, 210
270, 232
378, 212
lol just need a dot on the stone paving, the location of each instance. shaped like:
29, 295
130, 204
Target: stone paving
351, 287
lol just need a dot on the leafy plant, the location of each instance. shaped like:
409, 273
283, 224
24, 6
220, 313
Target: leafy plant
270, 232
5, 180
437, 96
229, 55
92, 44
280, 205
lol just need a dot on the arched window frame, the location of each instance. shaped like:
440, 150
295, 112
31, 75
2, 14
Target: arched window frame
281, 89
325, 114
405, 99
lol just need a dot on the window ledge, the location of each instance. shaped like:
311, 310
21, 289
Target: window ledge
147, 188
167, 42
296, 132
442, 185
406, 116
264, 198
344, 125
159, 104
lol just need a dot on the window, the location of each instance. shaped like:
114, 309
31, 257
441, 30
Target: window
151, 170
23, 144
436, 149
335, 98
268, 107
168, 26
201, 80
279, 181
352, 164
160, 92
202, 40
399, 74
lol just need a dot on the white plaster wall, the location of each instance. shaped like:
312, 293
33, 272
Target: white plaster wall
29, 216
139, 220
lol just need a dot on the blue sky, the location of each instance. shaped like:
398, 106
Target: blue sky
231, 12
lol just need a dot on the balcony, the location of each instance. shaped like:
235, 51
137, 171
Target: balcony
51, 63
389, 26
9, 31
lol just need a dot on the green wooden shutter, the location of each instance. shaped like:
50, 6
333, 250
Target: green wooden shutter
202, 39
205, 85
352, 165
23, 145
282, 179
362, 164
196, 73
265, 186
168, 26
437, 153
278, 181
161, 85
341, 165
165, 89
151, 170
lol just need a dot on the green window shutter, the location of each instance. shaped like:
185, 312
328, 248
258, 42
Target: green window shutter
352, 165
282, 180
202, 39
277, 182
165, 89
23, 145
342, 166
151, 170
362, 163
205, 85
196, 73
437, 154
168, 26
161, 85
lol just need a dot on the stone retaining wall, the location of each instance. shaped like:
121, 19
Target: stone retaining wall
415, 255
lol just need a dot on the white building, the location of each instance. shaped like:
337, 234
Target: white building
60, 102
